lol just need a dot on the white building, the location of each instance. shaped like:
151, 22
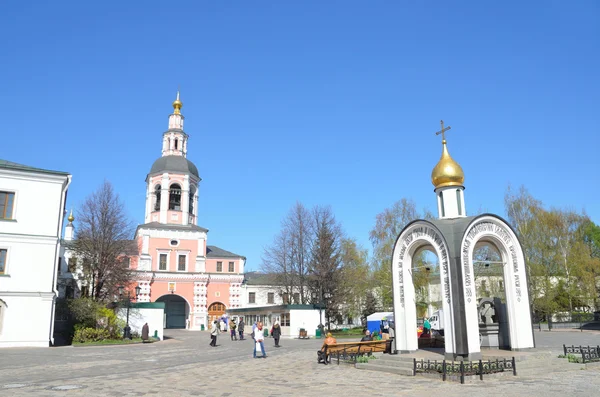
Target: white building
262, 292
32, 207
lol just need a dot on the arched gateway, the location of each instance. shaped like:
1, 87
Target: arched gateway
176, 311
453, 238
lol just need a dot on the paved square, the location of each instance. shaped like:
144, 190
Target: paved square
186, 366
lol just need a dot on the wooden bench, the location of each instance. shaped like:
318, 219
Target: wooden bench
431, 341
352, 350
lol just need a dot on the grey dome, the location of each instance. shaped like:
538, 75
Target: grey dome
174, 164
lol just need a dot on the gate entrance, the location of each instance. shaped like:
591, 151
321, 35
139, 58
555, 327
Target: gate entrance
176, 311
215, 312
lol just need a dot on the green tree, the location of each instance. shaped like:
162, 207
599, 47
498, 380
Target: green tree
356, 278
369, 307
388, 226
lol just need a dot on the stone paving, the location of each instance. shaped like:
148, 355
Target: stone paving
186, 366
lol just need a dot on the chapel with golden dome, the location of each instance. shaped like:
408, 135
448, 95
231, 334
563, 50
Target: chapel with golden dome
448, 179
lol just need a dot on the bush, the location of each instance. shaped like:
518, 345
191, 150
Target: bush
83, 335
108, 320
84, 311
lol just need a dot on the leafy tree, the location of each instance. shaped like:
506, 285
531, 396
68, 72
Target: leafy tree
388, 226
369, 307
356, 278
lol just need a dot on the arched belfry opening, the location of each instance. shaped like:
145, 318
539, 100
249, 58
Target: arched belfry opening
157, 198
482, 297
175, 197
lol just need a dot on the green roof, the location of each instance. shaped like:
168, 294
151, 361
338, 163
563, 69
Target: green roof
272, 307
148, 305
20, 167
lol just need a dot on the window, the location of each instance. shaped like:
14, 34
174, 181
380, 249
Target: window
174, 243
501, 285
459, 203
285, 320
442, 205
219, 266
270, 297
176, 143
157, 194
350, 320
181, 263
251, 297
296, 298
72, 265
59, 265
175, 197
7, 201
3, 255
286, 298
483, 285
231, 267
162, 262
127, 261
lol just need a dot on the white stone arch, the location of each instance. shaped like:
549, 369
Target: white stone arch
414, 236
495, 230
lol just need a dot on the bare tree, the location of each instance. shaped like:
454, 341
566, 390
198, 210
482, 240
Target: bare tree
300, 228
325, 262
277, 260
103, 242
289, 255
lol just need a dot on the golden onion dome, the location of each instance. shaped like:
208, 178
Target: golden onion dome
71, 218
447, 172
177, 105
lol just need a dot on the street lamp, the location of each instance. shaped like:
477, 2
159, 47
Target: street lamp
320, 304
127, 330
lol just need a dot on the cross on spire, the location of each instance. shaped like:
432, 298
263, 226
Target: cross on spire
442, 131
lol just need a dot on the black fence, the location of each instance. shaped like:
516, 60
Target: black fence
465, 368
566, 320
588, 354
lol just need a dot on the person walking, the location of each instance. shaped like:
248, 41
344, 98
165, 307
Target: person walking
276, 333
426, 327
241, 328
232, 328
214, 331
259, 340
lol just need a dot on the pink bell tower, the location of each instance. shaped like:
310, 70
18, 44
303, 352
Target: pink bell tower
172, 184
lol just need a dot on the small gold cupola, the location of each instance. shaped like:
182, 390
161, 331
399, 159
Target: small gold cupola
177, 105
71, 218
447, 172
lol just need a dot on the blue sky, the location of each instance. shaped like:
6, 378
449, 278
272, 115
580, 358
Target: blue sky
322, 102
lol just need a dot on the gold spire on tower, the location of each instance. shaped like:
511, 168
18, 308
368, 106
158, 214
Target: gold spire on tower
71, 218
177, 105
447, 172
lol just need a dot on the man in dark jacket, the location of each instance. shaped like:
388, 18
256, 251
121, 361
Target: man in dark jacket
241, 328
276, 333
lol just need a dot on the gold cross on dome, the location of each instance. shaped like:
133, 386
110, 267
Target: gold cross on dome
442, 131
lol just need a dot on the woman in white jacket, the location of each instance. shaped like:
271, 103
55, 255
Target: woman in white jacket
259, 340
